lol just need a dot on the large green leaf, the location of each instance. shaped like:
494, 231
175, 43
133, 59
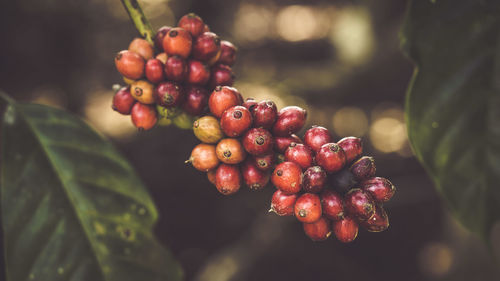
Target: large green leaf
72, 206
453, 103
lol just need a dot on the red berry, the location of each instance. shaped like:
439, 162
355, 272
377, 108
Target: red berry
169, 94
228, 53
299, 154
359, 204
378, 222
314, 179
176, 69
290, 120
196, 100
265, 114
235, 121
331, 157
160, 34
223, 98
211, 176
352, 147
282, 143
220, 75
143, 116
265, 162
154, 71
206, 46
346, 229
254, 178
319, 230
249, 103
192, 23
198, 73
203, 157
287, 177
283, 204
308, 208
230, 151
380, 189
178, 41
258, 141
227, 179
332, 205
130, 64
364, 168
316, 137
123, 101
142, 48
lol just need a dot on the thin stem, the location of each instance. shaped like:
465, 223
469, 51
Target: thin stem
140, 21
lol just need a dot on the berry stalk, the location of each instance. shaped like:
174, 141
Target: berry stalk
139, 19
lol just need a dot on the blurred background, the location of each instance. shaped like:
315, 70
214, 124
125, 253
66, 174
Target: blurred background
338, 59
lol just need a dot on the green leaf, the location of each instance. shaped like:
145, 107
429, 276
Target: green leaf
72, 206
453, 103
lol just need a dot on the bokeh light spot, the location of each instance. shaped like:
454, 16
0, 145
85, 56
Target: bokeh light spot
350, 121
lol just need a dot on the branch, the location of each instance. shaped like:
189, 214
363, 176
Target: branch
140, 21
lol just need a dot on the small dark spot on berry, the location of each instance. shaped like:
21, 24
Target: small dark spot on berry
270, 103
119, 56
237, 114
218, 88
196, 124
302, 213
138, 92
260, 140
173, 33
293, 144
279, 173
227, 153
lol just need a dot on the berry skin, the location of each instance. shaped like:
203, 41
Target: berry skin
283, 204
299, 154
359, 204
214, 59
169, 94
380, 189
198, 73
352, 147
364, 168
331, 203
287, 177
346, 229
228, 53
222, 98
160, 34
142, 91
265, 114
227, 179
162, 57
196, 100
178, 41
203, 157
211, 176
342, 181
308, 208
316, 137
282, 143
123, 101
258, 141
176, 69
378, 222
290, 120
264, 162
249, 103
319, 230
254, 178
130, 64
207, 129
192, 23
331, 157
154, 71
142, 48
206, 46
314, 179
230, 151
235, 121
220, 75
143, 116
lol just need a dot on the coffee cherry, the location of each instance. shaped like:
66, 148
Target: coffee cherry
230, 151
290, 120
378, 222
143, 116
203, 157
364, 168
192, 23
264, 162
316, 137
206, 46
319, 230
123, 101
352, 147
332, 205
228, 53
207, 129
162, 57
331, 157
130, 64
177, 42
198, 73
235, 121
249, 103
346, 229
287, 177
342, 181
308, 208
299, 154
196, 100
254, 178
222, 98
176, 69
142, 91
211, 176
314, 179
265, 114
283, 204
227, 179
359, 204
220, 75
169, 94
160, 34
282, 143
380, 189
154, 71
258, 141
142, 48
168, 113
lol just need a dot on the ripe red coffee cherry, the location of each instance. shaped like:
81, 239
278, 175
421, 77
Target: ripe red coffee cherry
206, 46
378, 222
265, 114
169, 94
316, 137
207, 129
332, 205
308, 208
359, 204
352, 147
230, 151
211, 176
283, 204
364, 168
235, 121
203, 157
342, 181
299, 154
287, 177
192, 23
380, 189
176, 69
227, 179
331, 157
314, 179
290, 120
142, 48
254, 178
319, 230
160, 34
282, 143
142, 91
220, 75
130, 64
178, 41
196, 100
222, 98
228, 53
154, 71
123, 101
143, 116
346, 229
264, 162
258, 141
249, 103
198, 73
